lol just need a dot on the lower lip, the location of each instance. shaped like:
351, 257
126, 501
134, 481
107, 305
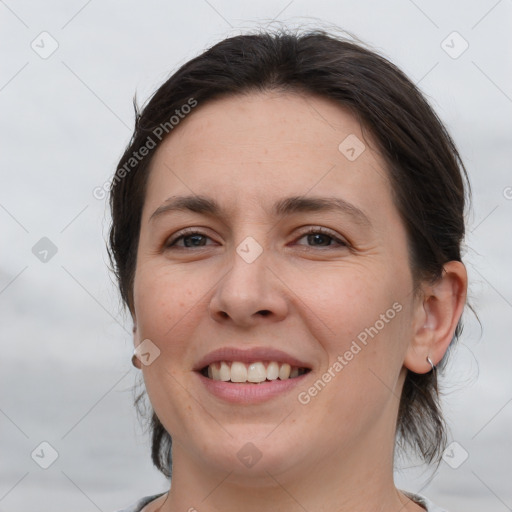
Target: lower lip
243, 393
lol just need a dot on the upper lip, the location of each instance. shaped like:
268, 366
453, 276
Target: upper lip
250, 355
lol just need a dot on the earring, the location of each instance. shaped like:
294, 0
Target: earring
135, 360
431, 364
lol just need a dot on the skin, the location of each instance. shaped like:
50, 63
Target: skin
334, 453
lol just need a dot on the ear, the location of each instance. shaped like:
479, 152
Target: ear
134, 320
436, 315
135, 359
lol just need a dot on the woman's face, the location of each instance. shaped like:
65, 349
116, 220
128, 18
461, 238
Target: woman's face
303, 261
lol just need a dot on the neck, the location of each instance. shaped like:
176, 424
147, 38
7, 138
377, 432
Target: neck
346, 480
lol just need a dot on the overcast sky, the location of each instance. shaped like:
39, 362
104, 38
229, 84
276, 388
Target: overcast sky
69, 72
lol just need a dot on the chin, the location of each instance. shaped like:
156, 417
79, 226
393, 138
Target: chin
253, 459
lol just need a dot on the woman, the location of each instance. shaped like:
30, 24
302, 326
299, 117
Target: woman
286, 232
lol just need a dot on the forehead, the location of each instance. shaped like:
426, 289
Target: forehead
249, 149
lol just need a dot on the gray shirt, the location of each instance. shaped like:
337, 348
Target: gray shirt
420, 500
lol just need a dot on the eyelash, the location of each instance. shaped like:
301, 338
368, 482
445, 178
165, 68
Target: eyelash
312, 230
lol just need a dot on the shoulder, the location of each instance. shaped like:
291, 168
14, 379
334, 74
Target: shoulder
137, 507
424, 502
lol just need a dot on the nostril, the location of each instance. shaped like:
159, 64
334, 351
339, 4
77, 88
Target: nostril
264, 312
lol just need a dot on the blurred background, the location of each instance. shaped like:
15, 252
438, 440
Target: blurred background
69, 435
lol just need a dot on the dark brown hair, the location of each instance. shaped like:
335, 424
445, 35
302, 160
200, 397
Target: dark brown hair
428, 178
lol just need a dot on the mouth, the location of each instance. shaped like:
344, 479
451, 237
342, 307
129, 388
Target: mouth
250, 375
255, 372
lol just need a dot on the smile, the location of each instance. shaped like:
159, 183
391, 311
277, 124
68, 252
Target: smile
251, 375
255, 372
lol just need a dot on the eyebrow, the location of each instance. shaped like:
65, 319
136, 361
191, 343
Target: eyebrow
286, 206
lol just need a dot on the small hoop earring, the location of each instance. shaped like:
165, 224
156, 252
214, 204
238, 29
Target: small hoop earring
431, 364
135, 361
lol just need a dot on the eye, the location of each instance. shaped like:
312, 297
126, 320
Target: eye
316, 236
322, 237
191, 238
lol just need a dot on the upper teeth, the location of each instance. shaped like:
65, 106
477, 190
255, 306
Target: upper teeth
254, 372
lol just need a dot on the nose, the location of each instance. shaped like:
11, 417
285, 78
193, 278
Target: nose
249, 293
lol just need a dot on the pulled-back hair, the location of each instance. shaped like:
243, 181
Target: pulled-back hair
429, 181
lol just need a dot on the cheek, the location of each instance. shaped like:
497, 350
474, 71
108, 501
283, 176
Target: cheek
360, 319
164, 298
165, 302
348, 299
